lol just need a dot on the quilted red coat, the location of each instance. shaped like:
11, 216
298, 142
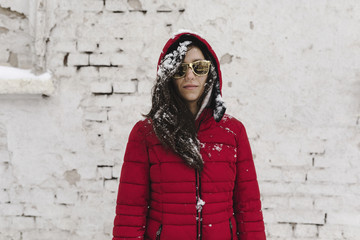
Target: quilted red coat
160, 197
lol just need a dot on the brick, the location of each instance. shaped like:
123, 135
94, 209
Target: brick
116, 5
24, 223
96, 115
301, 203
331, 231
7, 180
4, 196
4, 156
118, 59
110, 72
54, 211
111, 185
76, 59
330, 202
116, 170
64, 45
12, 235
47, 234
89, 72
112, 100
125, 87
275, 202
126, 117
11, 209
105, 172
284, 230
269, 173
277, 188
294, 216
101, 87
42, 196
99, 59
309, 231
86, 45
319, 189
31, 211
330, 175
68, 196
93, 5
91, 185
145, 86
350, 218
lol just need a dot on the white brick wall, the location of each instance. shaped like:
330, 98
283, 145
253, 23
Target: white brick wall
290, 74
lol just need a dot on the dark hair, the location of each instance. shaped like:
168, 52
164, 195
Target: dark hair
172, 120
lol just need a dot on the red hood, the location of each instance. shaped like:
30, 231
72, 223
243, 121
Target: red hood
188, 36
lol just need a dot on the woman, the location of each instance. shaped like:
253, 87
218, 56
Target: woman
188, 171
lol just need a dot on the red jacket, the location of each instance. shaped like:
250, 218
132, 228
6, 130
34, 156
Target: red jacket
160, 197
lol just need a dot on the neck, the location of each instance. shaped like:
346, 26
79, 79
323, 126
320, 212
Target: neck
193, 107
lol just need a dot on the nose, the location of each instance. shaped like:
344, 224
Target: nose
189, 74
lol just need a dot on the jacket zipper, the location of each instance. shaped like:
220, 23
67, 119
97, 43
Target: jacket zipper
198, 212
158, 232
231, 231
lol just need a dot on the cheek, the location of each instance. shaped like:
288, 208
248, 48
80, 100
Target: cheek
177, 84
203, 81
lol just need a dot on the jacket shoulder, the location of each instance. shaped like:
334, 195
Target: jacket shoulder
232, 123
143, 129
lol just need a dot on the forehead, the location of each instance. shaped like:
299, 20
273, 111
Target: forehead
193, 54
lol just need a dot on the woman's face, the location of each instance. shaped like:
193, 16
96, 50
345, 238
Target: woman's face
191, 87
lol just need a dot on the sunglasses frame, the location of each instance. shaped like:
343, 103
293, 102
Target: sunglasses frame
192, 69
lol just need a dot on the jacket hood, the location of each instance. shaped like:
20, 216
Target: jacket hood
176, 45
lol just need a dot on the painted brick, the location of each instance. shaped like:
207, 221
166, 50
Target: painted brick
76, 59
116, 5
110, 72
64, 46
105, 172
116, 171
292, 83
332, 175
295, 216
24, 223
275, 231
44, 235
85, 45
99, 59
66, 196
118, 59
4, 196
350, 218
11, 209
275, 202
309, 231
301, 203
331, 231
96, 115
93, 5
125, 87
111, 185
101, 87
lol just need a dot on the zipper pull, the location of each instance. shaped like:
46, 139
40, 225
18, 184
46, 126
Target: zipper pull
158, 232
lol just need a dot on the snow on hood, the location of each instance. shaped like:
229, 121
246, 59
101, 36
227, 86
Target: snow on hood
184, 36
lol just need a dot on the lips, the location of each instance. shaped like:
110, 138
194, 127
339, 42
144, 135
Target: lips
190, 86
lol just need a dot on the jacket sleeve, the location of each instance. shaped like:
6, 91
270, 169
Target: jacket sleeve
247, 205
133, 193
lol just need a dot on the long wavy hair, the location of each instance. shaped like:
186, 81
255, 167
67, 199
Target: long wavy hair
173, 122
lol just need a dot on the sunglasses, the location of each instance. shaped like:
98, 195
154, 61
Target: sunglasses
199, 68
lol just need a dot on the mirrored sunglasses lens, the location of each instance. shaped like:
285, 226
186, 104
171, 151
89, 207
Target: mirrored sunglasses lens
181, 71
201, 68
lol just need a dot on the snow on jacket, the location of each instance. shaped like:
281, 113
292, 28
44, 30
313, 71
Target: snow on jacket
160, 197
